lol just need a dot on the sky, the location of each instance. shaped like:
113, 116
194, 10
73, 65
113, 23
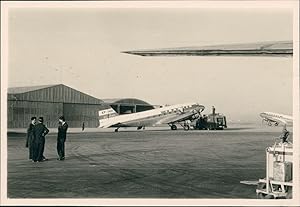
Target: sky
82, 48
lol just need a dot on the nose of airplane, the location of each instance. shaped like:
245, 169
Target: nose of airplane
262, 114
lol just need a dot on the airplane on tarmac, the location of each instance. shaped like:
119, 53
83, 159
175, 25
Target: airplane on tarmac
171, 115
271, 117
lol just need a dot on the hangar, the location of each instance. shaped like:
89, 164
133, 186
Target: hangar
52, 101
128, 105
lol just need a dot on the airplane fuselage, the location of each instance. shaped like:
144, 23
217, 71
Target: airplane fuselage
153, 117
276, 117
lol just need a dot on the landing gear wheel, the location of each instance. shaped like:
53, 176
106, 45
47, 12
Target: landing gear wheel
186, 128
173, 127
116, 130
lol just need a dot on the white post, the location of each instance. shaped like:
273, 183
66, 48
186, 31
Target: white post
267, 170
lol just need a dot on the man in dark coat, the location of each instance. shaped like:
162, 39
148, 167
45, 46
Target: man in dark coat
39, 131
285, 134
61, 137
30, 137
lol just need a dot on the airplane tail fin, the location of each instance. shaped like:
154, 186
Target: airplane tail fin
105, 115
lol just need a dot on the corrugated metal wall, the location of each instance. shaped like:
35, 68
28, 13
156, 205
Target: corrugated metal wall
20, 113
76, 114
51, 103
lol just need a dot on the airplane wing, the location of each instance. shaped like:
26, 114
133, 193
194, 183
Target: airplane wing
180, 118
275, 48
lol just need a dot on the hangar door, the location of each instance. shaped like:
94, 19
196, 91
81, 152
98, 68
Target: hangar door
76, 114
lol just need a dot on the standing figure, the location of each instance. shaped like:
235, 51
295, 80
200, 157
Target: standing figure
83, 126
285, 134
213, 110
61, 137
30, 137
39, 132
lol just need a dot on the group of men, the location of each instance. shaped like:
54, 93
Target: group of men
36, 133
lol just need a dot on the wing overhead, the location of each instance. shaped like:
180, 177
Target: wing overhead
275, 48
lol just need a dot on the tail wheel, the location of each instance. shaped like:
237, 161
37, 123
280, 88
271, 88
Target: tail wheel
173, 127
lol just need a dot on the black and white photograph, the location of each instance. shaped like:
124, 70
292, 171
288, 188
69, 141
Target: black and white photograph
150, 103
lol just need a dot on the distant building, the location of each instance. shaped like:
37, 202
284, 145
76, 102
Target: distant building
52, 101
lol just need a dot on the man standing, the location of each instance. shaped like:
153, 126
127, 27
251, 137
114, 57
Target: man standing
61, 137
30, 137
285, 134
39, 132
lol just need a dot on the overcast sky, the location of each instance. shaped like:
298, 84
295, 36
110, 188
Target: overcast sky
82, 49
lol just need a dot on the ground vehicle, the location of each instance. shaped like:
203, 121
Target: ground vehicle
278, 182
214, 121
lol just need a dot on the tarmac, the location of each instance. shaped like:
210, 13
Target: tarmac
154, 163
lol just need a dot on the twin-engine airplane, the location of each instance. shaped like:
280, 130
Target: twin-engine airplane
180, 114
276, 118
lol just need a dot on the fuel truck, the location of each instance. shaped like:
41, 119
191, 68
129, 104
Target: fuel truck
213, 121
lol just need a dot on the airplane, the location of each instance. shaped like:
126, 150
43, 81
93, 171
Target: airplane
180, 114
271, 117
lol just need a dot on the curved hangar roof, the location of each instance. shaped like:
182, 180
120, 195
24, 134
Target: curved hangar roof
128, 105
129, 101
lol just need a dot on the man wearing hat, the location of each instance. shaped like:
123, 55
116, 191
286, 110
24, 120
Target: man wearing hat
61, 137
39, 132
